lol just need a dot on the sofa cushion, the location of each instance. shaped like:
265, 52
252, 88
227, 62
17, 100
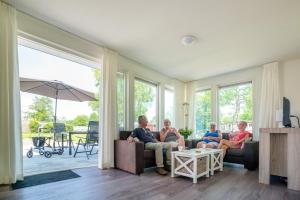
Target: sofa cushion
156, 134
124, 135
235, 152
225, 136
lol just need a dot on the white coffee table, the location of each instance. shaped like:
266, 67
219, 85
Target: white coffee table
194, 163
216, 159
190, 163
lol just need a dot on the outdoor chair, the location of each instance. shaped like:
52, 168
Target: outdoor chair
90, 141
60, 135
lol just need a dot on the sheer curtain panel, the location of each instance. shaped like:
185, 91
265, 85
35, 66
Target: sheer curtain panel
270, 96
10, 112
108, 117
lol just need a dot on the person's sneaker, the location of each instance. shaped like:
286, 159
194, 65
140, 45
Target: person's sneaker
168, 168
161, 171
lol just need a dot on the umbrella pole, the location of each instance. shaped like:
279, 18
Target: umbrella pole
56, 96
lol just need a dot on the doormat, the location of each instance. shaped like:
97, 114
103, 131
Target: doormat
40, 179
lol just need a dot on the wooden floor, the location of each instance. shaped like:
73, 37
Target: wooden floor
94, 184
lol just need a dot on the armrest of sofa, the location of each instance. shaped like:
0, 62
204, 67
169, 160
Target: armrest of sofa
251, 153
129, 156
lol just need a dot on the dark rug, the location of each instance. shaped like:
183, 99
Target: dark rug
40, 179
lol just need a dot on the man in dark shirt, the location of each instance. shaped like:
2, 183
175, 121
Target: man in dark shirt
144, 135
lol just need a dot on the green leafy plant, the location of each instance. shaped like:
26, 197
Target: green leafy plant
69, 127
33, 126
48, 127
185, 132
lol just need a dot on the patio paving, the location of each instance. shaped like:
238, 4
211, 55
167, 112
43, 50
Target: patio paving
40, 164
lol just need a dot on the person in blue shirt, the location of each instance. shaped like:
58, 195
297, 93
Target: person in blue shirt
151, 143
211, 139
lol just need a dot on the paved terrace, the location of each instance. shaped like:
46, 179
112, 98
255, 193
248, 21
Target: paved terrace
40, 164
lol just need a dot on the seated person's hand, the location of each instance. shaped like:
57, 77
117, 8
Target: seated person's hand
235, 142
130, 139
210, 138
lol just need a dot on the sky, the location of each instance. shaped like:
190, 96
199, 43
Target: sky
39, 65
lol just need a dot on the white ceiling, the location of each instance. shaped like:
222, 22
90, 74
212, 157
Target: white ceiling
233, 34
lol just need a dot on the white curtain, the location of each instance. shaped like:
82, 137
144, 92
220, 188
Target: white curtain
270, 96
10, 113
108, 116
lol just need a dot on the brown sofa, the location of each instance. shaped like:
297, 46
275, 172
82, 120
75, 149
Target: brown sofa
133, 157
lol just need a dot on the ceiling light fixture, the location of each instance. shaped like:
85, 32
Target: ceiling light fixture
188, 40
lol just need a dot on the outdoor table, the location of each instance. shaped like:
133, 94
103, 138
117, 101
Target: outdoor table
75, 133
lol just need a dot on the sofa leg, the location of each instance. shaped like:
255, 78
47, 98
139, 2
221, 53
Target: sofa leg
250, 168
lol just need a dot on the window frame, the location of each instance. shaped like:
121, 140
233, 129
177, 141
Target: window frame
60, 52
204, 89
232, 85
170, 89
157, 86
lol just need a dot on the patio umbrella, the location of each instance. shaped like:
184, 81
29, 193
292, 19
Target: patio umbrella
56, 90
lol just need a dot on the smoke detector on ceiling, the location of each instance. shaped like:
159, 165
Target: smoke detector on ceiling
188, 40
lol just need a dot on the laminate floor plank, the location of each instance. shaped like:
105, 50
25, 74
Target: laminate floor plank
94, 184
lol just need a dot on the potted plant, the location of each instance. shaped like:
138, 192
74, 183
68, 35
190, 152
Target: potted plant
185, 132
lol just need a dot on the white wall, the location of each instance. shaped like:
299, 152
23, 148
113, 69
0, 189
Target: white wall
49, 35
44, 33
290, 87
253, 74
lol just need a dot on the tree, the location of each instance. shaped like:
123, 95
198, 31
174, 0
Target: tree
41, 109
33, 126
247, 113
94, 105
120, 100
93, 117
143, 97
80, 120
203, 110
230, 97
236, 104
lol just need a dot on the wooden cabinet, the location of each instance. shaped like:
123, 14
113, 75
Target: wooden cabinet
279, 154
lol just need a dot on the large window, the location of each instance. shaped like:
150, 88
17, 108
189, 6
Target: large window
121, 100
145, 102
202, 111
169, 105
235, 104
